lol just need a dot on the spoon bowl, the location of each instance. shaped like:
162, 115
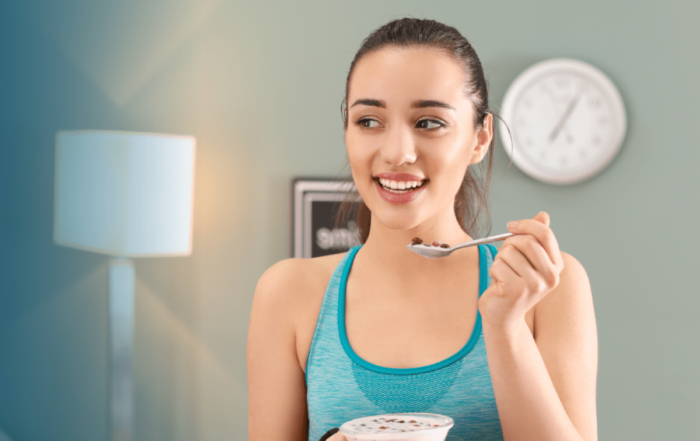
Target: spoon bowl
432, 252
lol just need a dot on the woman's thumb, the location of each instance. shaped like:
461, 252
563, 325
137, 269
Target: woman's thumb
542, 217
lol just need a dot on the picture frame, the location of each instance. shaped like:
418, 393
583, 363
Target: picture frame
315, 204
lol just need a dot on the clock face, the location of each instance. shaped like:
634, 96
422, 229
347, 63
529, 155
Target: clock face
566, 119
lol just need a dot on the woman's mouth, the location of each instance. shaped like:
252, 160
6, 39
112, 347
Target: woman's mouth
400, 187
399, 192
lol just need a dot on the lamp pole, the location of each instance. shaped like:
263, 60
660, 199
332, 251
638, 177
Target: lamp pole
121, 339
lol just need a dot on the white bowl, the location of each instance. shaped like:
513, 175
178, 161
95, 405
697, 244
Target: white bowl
441, 424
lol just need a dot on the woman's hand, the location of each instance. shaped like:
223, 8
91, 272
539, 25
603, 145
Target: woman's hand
526, 268
338, 437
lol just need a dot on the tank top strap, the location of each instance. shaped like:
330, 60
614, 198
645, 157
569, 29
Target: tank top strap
325, 334
487, 253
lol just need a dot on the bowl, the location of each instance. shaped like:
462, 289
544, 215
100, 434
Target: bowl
398, 427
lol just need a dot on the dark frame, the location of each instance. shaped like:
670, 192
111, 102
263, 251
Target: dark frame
305, 191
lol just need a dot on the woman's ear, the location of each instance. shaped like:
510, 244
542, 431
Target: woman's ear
483, 139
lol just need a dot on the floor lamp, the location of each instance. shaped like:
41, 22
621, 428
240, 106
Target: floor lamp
126, 195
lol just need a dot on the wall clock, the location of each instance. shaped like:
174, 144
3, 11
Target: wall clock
567, 121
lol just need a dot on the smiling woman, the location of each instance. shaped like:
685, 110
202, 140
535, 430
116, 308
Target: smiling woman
401, 114
446, 56
503, 342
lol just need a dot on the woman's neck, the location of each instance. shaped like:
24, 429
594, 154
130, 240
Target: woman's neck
386, 247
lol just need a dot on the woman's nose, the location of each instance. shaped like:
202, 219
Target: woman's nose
398, 147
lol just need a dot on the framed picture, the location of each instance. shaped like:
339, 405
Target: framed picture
315, 204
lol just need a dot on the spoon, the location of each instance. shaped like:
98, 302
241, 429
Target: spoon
432, 252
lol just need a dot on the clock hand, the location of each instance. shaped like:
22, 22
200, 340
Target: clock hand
563, 119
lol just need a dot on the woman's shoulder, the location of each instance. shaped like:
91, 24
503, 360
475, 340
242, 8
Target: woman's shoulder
571, 297
299, 272
293, 284
573, 275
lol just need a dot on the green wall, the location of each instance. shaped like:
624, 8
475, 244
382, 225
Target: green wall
259, 85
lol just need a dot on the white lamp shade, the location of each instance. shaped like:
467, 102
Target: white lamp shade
124, 194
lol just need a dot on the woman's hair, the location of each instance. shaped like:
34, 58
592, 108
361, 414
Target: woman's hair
471, 202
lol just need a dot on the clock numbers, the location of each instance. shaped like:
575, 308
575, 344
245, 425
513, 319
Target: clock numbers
564, 111
567, 121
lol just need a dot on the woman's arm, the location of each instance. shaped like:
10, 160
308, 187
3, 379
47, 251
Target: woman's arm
276, 386
544, 386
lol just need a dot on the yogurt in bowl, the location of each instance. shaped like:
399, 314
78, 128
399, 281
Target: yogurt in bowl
398, 427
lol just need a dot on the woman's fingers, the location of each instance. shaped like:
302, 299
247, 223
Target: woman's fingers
534, 254
503, 275
543, 217
526, 268
528, 280
539, 229
535, 242
515, 259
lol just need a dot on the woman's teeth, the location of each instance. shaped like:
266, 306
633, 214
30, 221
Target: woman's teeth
400, 186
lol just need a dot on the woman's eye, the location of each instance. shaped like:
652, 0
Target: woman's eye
368, 123
429, 124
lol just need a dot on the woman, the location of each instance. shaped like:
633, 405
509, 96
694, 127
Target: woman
503, 342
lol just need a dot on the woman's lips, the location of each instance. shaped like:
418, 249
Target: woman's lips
399, 198
399, 177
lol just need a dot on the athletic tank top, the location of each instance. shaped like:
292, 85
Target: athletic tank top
341, 386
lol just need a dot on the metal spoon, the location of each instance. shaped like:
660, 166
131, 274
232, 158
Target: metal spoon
432, 252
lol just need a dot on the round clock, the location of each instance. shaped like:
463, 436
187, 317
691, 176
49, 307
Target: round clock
567, 121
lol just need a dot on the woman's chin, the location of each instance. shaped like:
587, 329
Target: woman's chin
397, 222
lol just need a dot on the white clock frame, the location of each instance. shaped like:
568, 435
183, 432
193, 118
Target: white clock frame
593, 76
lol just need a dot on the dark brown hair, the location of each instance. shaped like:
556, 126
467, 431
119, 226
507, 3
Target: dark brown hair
471, 201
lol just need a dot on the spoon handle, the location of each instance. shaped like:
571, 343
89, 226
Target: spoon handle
483, 241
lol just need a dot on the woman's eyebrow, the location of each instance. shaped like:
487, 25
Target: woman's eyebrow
431, 103
370, 102
420, 104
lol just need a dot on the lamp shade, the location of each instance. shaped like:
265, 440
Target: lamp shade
124, 194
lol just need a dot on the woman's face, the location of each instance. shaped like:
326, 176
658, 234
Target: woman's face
410, 134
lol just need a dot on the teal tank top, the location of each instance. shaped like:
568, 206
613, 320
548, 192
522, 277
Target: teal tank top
341, 386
